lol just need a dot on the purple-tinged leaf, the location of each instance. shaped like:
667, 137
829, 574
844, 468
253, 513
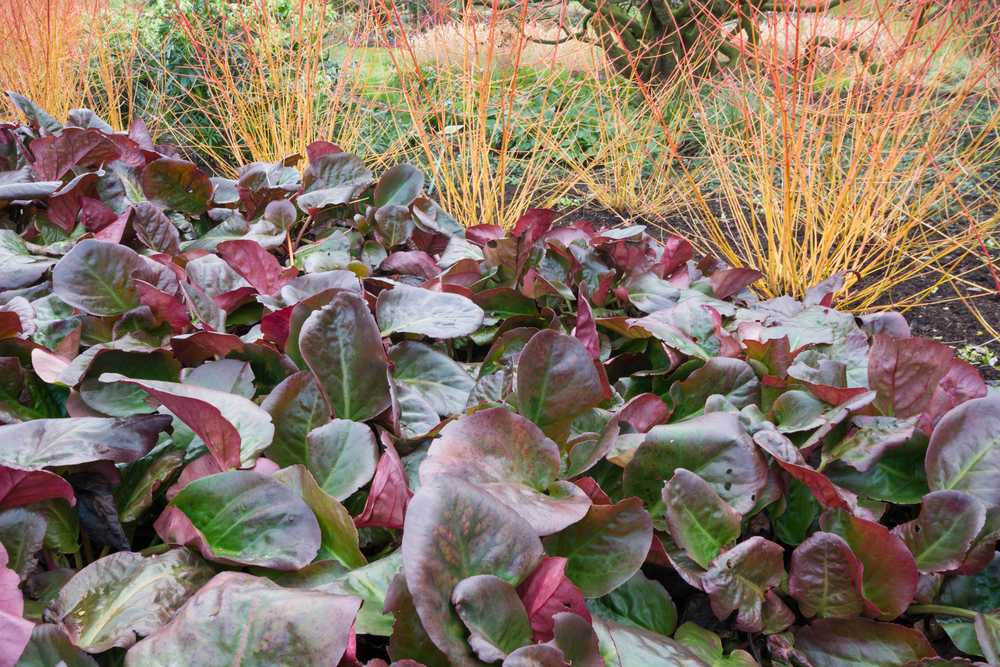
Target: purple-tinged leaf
433, 375
342, 346
547, 592
941, 536
625, 646
154, 229
786, 455
739, 578
889, 579
165, 308
505, 302
905, 373
22, 532
537, 655
96, 277
257, 266
825, 578
16, 630
511, 459
716, 447
244, 620
605, 548
21, 266
297, 406
389, 495
576, 638
49, 645
556, 382
20, 487
732, 379
114, 598
496, 619
988, 634
338, 535
399, 185
774, 357
837, 642
962, 383
454, 531
983, 547
190, 349
586, 454
242, 518
727, 282
871, 438
644, 412
55, 156
420, 311
394, 226
177, 185
409, 639
964, 451
341, 455
701, 523
687, 327
235, 429
141, 498
43, 443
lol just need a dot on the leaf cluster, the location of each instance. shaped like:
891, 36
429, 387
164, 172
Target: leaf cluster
404, 439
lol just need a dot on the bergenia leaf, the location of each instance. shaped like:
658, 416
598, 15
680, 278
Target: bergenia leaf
556, 382
454, 531
873, 438
235, 429
342, 346
141, 498
44, 443
49, 645
155, 230
399, 185
940, 537
825, 578
22, 532
111, 600
338, 536
21, 487
623, 646
547, 592
905, 373
988, 633
964, 451
687, 327
834, 642
707, 645
389, 495
639, 603
732, 379
250, 621
257, 266
739, 578
716, 447
890, 576
243, 517
699, 521
297, 406
605, 548
17, 630
177, 185
511, 459
409, 639
96, 277
405, 309
341, 455
370, 582
496, 619
433, 375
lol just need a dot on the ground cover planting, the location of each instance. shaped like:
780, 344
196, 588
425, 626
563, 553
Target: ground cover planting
303, 416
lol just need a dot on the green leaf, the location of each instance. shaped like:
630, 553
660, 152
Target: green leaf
707, 646
988, 633
50, 645
62, 524
420, 311
433, 375
297, 406
21, 267
699, 520
111, 600
343, 347
96, 277
556, 382
837, 642
898, 477
341, 456
941, 536
142, 497
177, 185
338, 536
454, 531
512, 460
243, 517
371, 583
239, 619
964, 452
399, 185
732, 379
605, 548
494, 615
22, 533
739, 578
624, 646
638, 603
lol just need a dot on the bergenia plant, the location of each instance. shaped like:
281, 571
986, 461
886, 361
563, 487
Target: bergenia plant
303, 417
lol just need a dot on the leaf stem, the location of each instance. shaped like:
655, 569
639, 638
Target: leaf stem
155, 549
941, 609
86, 545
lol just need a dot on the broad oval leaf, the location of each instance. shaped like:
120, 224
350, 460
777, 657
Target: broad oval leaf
177, 185
699, 521
546, 593
239, 619
624, 646
512, 460
111, 600
343, 348
433, 375
556, 382
342, 456
825, 577
836, 642
716, 447
494, 615
46, 443
297, 406
964, 452
399, 185
405, 309
21, 487
50, 645
454, 531
941, 536
371, 582
244, 518
96, 277
732, 379
605, 548
639, 603
739, 579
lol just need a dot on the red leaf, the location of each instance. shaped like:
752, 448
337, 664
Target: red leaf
481, 234
275, 328
827, 493
586, 326
412, 262
203, 466
259, 267
54, 156
96, 216
961, 383
593, 491
189, 349
644, 412
20, 487
389, 495
318, 149
905, 373
730, 281
165, 307
547, 592
535, 222
676, 253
